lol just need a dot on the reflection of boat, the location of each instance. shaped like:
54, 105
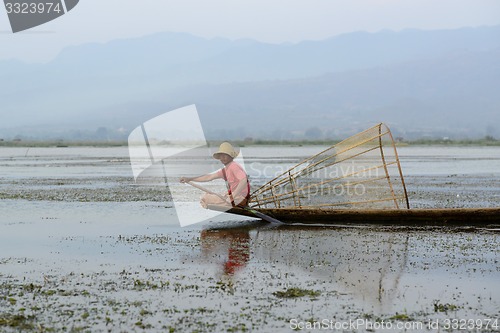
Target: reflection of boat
403, 217
367, 266
356, 181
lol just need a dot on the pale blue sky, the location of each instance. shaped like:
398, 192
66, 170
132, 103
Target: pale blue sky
272, 21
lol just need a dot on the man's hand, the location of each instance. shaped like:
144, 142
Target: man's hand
185, 179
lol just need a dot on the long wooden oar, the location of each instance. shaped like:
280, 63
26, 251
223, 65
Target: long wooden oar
248, 209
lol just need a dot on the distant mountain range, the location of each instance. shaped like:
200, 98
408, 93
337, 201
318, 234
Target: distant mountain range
422, 83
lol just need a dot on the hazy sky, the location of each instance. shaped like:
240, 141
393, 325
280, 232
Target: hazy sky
265, 20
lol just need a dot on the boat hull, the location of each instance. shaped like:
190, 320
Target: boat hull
413, 217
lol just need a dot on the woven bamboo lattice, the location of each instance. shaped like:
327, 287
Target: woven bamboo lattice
361, 172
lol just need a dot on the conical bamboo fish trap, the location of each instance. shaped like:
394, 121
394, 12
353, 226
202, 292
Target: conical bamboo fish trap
361, 172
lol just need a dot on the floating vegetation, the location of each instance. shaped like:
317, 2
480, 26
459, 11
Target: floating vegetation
440, 307
223, 286
296, 292
18, 321
401, 317
100, 189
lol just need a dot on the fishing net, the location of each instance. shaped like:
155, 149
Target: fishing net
361, 172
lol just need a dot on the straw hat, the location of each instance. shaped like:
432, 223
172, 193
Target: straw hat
226, 148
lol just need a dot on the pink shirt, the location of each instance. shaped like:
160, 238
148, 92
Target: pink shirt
235, 174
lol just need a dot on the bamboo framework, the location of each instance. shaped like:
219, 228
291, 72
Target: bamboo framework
361, 172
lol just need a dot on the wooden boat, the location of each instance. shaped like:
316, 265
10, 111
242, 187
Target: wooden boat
474, 217
357, 181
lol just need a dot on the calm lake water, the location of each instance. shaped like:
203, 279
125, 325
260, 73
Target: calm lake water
73, 219
87, 162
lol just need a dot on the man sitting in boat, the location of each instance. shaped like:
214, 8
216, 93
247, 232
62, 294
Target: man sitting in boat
233, 174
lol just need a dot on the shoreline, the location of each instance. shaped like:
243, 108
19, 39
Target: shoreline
256, 143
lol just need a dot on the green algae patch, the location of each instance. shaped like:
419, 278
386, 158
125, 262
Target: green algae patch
440, 307
296, 292
401, 317
18, 321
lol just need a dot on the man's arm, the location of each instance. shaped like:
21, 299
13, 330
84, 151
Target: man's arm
204, 178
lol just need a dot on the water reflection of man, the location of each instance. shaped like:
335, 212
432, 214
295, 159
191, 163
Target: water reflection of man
233, 174
237, 243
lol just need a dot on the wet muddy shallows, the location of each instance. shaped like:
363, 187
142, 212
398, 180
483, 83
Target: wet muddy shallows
83, 249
